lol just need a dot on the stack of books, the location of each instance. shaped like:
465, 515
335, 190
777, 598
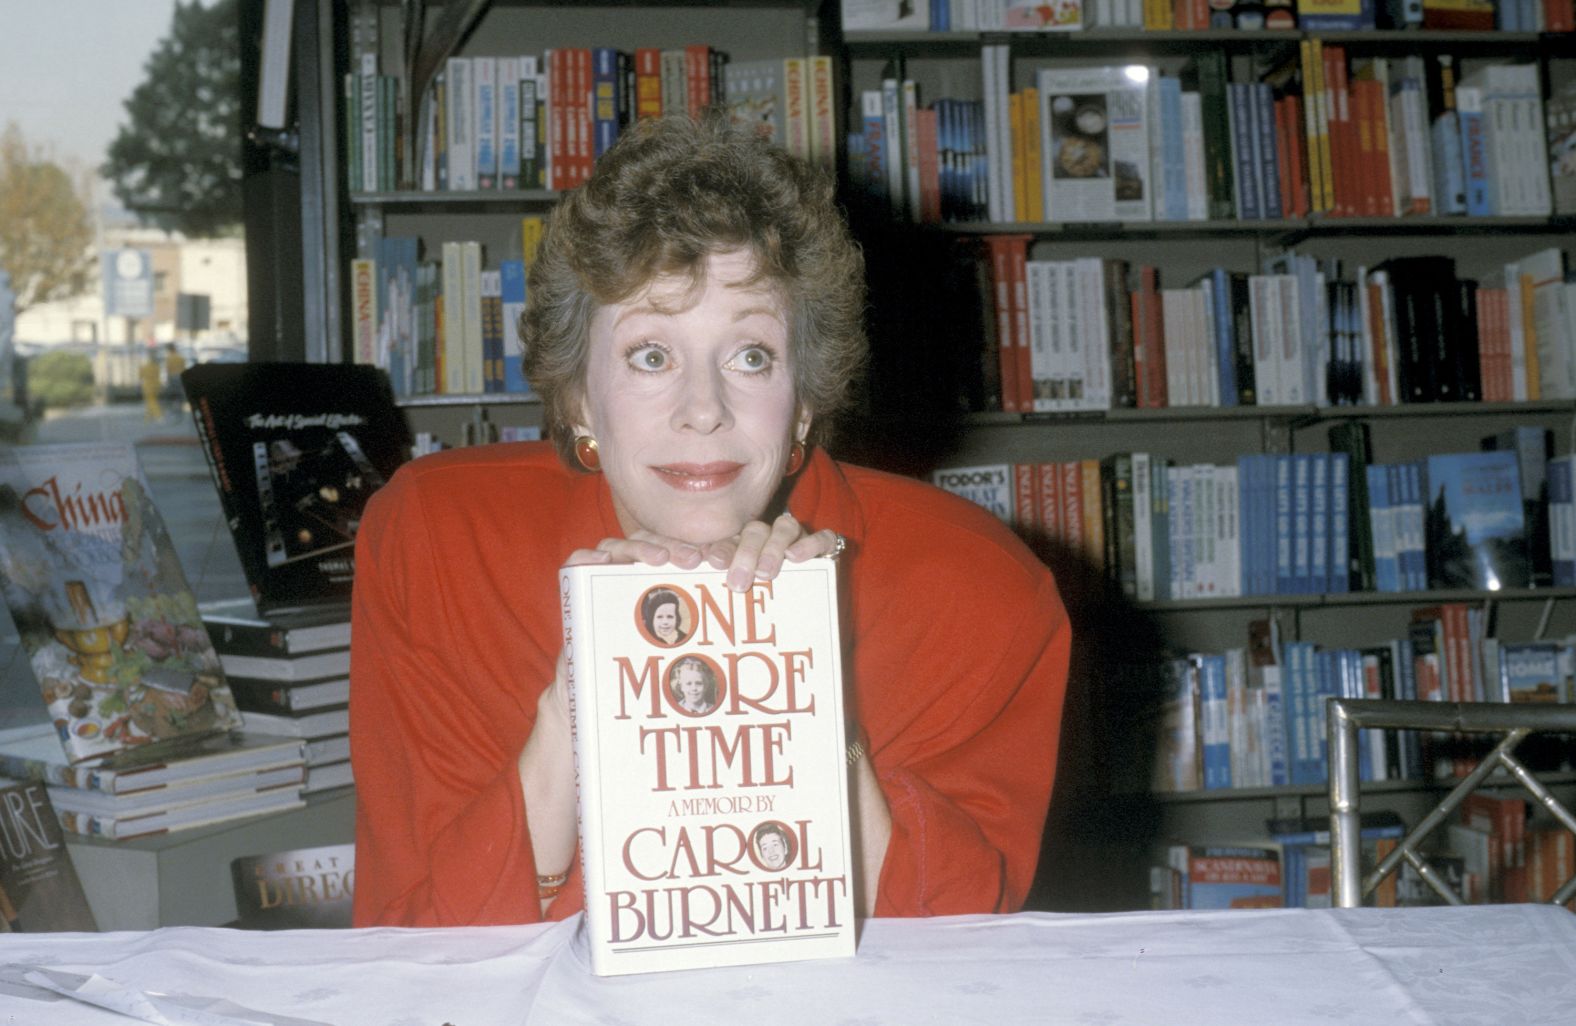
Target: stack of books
218, 778
290, 674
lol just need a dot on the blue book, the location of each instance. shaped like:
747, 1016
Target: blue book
397, 308
1340, 576
606, 84
1221, 878
1269, 160
1275, 736
1240, 119
1381, 528
1450, 186
1301, 526
1476, 524
1215, 721
1562, 516
1173, 162
1225, 334
1474, 152
1160, 524
513, 291
1284, 528
1299, 690
1409, 522
1318, 522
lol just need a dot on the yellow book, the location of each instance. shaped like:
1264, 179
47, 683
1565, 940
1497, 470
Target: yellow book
1159, 16
1031, 160
1020, 146
1093, 513
530, 238
1529, 332
1310, 121
1319, 89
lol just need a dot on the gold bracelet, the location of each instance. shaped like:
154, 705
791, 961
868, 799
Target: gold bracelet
552, 879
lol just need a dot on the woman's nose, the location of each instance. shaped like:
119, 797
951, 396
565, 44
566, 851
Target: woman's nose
702, 404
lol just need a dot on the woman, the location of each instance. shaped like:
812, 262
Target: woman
660, 611
694, 324
693, 685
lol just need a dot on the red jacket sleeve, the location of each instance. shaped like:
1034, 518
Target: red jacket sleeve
441, 829
968, 804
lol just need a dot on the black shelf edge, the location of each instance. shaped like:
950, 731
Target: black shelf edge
1303, 415
1294, 229
1097, 39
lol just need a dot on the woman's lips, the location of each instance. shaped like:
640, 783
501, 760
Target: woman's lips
698, 477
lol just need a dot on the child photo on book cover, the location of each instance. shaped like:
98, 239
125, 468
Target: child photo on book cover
695, 327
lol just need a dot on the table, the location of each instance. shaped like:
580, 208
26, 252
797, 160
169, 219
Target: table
1493, 964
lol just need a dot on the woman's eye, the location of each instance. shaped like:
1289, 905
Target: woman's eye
648, 358
753, 359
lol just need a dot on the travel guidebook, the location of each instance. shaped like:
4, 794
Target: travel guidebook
102, 606
296, 450
710, 752
39, 887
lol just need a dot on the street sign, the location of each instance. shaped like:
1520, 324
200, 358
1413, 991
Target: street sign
128, 282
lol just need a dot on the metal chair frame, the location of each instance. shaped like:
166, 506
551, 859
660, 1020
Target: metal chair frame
1346, 716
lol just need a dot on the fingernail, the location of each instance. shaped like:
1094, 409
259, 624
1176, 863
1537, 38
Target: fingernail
739, 579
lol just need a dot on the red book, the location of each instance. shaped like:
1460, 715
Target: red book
584, 133
1149, 357
1559, 16
648, 82
1001, 289
1026, 497
1377, 334
697, 77
1072, 503
1295, 144
1018, 263
558, 118
1050, 498
927, 127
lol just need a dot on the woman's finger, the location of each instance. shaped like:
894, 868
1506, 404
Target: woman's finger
821, 543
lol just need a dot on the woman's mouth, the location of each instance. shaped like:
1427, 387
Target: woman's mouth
698, 477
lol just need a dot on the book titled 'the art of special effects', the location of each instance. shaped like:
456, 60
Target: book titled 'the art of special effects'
710, 758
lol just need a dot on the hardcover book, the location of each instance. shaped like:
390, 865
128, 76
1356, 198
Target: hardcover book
295, 451
1094, 143
1475, 523
710, 757
39, 887
302, 889
33, 753
102, 606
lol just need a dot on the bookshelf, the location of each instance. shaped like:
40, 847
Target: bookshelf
915, 422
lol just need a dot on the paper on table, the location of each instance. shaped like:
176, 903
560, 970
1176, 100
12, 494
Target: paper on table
161, 1009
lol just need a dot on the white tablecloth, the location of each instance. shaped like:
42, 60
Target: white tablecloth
1498, 965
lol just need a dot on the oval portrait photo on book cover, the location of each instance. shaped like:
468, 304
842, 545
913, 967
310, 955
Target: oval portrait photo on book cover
772, 845
694, 685
665, 616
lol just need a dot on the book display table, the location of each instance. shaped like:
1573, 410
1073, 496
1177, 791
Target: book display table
1412, 965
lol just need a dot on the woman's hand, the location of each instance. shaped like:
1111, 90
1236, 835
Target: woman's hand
756, 553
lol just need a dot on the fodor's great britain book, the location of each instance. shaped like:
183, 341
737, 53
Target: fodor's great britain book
710, 753
106, 617
296, 450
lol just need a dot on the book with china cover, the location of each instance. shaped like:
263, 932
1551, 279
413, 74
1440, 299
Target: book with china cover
96, 590
710, 753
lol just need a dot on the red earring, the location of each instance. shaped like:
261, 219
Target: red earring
586, 453
795, 459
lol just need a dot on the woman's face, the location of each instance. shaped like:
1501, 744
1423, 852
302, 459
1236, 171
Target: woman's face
665, 621
690, 397
773, 851
692, 685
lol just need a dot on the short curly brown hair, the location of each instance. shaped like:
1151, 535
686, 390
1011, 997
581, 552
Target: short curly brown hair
671, 192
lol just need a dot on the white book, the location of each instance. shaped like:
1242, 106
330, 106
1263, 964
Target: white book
453, 341
307, 726
1042, 335
484, 129
459, 125
1206, 357
910, 113
988, 485
1550, 322
1230, 534
146, 824
1097, 120
885, 16
1096, 335
892, 116
315, 666
1143, 528
328, 775
1264, 314
471, 297
711, 769
1293, 373
508, 98
1172, 313
1519, 382
994, 61
1193, 157
1066, 338
195, 792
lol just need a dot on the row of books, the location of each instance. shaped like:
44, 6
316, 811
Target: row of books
1320, 135
1488, 853
442, 323
1094, 334
1298, 523
541, 121
1186, 15
1254, 716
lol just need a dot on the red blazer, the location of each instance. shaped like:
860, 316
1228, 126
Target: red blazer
959, 666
